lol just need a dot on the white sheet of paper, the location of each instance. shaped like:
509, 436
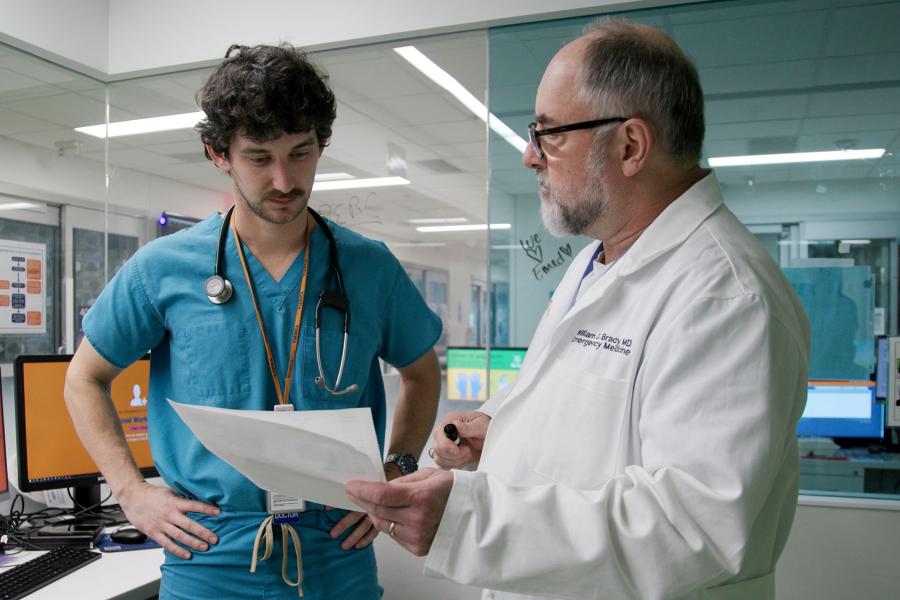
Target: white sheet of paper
308, 454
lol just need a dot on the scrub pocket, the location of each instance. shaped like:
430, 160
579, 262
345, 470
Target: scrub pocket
218, 365
576, 427
356, 368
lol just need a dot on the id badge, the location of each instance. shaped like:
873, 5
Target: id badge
285, 508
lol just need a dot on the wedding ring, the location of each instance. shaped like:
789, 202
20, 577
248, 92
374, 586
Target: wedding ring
431, 452
391, 530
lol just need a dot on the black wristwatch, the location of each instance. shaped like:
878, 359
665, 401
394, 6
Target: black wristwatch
407, 462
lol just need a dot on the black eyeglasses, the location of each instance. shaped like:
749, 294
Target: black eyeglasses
534, 135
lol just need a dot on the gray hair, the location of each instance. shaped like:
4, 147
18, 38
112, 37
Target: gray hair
634, 71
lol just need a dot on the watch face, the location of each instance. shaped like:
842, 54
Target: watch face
407, 463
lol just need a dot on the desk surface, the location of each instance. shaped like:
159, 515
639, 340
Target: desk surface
133, 574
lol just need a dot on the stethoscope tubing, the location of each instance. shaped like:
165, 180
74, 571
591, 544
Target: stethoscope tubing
219, 291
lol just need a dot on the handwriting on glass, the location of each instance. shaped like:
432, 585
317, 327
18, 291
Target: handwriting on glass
352, 211
534, 251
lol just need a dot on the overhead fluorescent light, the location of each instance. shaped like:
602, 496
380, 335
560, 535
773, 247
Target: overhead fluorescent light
350, 184
441, 77
438, 220
149, 125
856, 242
333, 176
18, 206
477, 227
805, 242
794, 157
416, 244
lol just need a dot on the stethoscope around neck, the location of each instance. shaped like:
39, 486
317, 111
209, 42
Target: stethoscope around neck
219, 291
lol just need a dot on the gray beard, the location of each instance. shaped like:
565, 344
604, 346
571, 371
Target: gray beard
575, 218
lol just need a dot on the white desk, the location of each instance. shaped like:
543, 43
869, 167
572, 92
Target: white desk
130, 575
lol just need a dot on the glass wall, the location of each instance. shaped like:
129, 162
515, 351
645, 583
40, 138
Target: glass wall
82, 198
778, 77
42, 163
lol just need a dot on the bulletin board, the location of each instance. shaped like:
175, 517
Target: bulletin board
23, 288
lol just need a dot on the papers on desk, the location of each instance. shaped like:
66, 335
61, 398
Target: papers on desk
306, 454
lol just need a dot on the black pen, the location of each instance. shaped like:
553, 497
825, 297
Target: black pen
451, 432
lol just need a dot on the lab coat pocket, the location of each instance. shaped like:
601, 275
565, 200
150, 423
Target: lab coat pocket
576, 427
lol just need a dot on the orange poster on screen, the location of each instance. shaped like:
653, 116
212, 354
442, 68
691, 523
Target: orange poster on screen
54, 449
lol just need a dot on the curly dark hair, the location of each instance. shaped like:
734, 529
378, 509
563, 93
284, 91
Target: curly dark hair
263, 92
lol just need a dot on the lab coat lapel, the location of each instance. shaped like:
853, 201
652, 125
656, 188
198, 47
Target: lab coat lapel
588, 299
670, 229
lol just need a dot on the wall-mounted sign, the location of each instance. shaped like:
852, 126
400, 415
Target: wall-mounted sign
23, 287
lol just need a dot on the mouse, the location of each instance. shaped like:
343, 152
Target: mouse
128, 535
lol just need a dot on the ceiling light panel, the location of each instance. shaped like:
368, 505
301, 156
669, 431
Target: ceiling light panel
427, 67
438, 220
795, 157
472, 227
140, 126
349, 184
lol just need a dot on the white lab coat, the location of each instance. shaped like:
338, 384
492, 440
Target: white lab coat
659, 461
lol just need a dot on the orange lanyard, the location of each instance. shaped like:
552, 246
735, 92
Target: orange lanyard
283, 397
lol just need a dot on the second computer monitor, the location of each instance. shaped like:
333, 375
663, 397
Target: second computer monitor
467, 371
842, 409
50, 453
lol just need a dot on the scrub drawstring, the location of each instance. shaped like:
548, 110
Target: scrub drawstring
266, 527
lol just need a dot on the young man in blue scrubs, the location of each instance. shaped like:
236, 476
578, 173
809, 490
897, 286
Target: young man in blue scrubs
269, 114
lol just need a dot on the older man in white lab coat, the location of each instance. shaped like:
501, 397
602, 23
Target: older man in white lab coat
648, 449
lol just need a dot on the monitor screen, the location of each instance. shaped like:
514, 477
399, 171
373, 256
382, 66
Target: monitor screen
50, 452
4, 480
842, 409
467, 372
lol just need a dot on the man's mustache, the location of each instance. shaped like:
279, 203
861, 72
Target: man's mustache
295, 193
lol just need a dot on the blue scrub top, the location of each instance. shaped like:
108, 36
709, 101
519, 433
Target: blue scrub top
213, 355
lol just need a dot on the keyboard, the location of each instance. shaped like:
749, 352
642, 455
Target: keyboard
23, 579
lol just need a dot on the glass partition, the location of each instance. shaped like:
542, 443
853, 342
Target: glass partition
778, 77
46, 166
392, 121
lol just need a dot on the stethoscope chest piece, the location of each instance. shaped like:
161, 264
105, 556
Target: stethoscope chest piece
218, 289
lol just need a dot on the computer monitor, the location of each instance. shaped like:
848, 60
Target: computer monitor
467, 372
4, 480
842, 409
51, 455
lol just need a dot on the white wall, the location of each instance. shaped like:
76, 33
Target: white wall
129, 36
839, 553
205, 28
74, 34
